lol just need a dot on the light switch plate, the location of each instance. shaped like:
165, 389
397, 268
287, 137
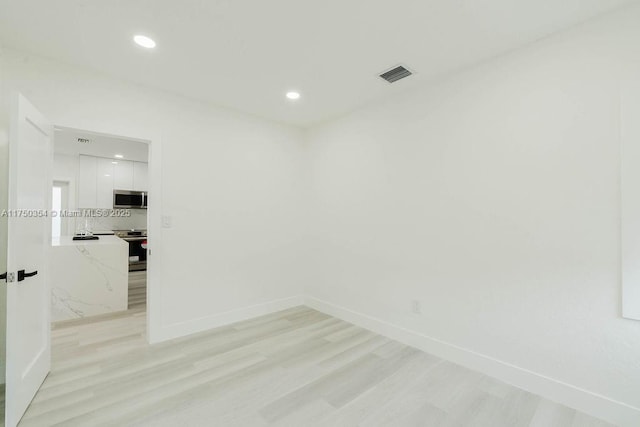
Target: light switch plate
166, 221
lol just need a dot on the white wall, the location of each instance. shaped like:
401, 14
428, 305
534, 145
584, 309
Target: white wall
492, 198
630, 203
229, 182
65, 168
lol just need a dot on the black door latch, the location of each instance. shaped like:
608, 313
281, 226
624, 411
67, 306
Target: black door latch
22, 275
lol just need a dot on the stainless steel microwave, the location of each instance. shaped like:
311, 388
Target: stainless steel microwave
126, 199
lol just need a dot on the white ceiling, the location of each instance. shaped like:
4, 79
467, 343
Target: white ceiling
246, 54
65, 141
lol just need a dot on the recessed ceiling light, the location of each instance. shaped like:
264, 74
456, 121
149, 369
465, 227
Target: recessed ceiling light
118, 156
106, 174
114, 163
293, 95
144, 41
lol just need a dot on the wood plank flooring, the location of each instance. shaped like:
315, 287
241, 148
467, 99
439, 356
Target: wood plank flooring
296, 368
137, 289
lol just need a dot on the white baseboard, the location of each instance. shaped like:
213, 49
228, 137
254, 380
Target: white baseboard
585, 401
182, 329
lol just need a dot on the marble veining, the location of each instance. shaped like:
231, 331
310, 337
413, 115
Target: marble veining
62, 301
88, 277
100, 266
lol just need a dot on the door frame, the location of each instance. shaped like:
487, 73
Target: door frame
154, 219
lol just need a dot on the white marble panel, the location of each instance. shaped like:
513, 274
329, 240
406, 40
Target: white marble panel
88, 277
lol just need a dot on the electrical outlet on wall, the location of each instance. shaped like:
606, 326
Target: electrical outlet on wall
416, 307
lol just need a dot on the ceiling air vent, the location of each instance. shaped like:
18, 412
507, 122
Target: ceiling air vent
395, 74
84, 141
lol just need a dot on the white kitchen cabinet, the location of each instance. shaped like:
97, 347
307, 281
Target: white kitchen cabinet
87, 174
98, 177
140, 173
104, 183
123, 175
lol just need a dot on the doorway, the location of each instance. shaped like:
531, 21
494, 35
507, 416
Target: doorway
99, 193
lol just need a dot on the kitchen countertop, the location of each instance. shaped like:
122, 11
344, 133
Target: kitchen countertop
102, 240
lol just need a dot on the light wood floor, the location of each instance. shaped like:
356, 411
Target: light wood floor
296, 368
137, 297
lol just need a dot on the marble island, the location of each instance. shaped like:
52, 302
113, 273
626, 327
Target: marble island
89, 277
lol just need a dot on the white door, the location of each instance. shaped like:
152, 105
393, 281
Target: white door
29, 239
